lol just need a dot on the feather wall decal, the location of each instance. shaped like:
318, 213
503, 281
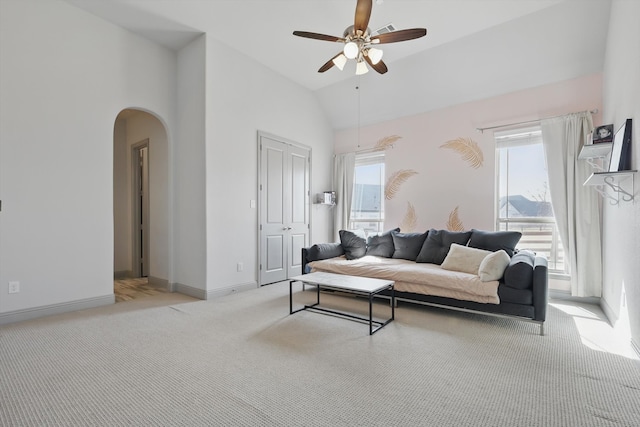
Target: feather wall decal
468, 149
408, 224
454, 223
386, 142
395, 181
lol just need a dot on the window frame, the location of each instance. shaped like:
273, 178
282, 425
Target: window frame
366, 159
513, 138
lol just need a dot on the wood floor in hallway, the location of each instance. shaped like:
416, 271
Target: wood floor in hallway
129, 289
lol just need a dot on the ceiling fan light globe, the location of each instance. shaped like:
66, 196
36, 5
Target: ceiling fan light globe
375, 55
351, 50
361, 68
339, 61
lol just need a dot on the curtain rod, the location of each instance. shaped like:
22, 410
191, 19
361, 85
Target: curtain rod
366, 150
481, 130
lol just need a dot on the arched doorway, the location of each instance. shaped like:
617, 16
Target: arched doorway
140, 203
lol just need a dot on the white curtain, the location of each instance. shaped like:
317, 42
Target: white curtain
576, 207
343, 175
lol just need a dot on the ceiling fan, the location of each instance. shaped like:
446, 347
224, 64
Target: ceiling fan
359, 43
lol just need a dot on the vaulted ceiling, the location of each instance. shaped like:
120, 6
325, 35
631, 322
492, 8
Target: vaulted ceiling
474, 49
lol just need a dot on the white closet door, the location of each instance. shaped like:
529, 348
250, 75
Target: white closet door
284, 208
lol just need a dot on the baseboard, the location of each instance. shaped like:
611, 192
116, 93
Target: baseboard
220, 292
157, 282
125, 274
49, 310
635, 347
212, 293
566, 296
188, 290
612, 316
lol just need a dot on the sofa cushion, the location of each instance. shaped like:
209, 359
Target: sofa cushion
493, 265
407, 245
354, 243
324, 251
495, 240
381, 244
519, 273
464, 259
436, 246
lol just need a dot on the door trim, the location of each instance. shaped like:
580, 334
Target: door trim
135, 183
260, 135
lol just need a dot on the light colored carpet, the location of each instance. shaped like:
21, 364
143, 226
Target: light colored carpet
242, 360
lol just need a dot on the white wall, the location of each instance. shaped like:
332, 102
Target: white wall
64, 77
621, 233
444, 180
188, 244
122, 257
61, 93
244, 97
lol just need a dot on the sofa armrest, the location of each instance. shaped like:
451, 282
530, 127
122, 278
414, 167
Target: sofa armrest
320, 251
540, 288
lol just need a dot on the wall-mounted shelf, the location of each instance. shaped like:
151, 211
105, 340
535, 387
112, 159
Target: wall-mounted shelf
595, 151
328, 198
612, 181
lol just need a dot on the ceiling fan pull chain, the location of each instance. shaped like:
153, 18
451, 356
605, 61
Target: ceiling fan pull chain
358, 89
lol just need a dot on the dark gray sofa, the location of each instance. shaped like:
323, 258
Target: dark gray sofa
523, 290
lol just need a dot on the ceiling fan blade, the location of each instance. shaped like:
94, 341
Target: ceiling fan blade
317, 36
400, 36
380, 67
363, 13
327, 65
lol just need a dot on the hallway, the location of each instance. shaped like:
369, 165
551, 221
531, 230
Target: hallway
129, 289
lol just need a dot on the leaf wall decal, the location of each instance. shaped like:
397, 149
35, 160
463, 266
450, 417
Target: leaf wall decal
386, 142
410, 220
395, 181
468, 149
454, 223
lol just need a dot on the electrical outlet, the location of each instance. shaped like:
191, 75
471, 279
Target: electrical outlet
240, 267
14, 287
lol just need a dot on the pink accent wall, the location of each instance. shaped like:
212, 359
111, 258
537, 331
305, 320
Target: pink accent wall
444, 180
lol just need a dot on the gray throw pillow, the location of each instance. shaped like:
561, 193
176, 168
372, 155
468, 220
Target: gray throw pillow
436, 246
381, 244
324, 251
354, 243
495, 240
407, 245
519, 272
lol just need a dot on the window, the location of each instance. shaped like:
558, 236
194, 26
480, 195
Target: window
524, 202
367, 205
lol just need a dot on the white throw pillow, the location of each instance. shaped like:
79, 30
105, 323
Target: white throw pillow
493, 266
464, 259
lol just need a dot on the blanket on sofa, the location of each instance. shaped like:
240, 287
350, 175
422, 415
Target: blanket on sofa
420, 278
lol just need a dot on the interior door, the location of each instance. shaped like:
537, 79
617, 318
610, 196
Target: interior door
284, 208
141, 212
298, 227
